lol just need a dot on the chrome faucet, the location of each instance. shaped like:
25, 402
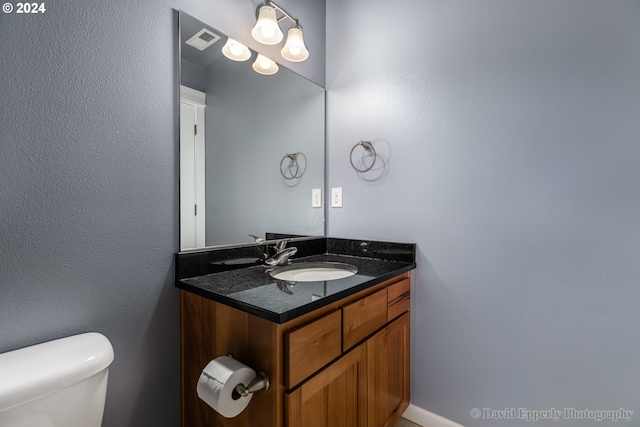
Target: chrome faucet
281, 257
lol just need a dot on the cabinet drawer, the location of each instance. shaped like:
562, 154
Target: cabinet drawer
398, 299
398, 289
363, 317
312, 346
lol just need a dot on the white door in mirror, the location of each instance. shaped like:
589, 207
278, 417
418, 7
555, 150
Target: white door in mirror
192, 195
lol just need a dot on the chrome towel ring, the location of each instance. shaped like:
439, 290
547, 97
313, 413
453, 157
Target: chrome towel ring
368, 146
292, 170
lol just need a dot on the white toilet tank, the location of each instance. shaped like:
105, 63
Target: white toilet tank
61, 383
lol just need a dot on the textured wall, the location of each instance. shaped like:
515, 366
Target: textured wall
88, 183
509, 135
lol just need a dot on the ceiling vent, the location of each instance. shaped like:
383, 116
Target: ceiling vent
203, 39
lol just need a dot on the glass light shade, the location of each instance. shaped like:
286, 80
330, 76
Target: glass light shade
267, 30
264, 65
235, 50
294, 49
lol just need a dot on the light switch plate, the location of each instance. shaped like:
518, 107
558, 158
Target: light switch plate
336, 197
316, 198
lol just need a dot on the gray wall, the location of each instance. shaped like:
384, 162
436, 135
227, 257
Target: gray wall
252, 122
88, 183
192, 75
510, 133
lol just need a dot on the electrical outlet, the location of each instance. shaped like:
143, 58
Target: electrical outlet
336, 197
316, 198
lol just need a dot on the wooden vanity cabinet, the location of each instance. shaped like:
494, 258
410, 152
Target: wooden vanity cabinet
345, 364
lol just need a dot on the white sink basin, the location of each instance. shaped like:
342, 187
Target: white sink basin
313, 271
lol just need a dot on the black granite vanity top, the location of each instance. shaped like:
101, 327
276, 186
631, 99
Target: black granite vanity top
238, 278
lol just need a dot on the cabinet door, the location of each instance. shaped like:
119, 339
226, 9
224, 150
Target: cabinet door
388, 373
335, 396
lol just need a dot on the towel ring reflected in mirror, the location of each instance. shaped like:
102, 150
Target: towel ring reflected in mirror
292, 170
368, 147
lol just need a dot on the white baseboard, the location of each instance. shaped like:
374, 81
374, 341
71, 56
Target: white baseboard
420, 416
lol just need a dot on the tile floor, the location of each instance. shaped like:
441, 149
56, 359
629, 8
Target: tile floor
402, 422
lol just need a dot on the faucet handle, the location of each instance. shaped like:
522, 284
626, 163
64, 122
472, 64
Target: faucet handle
281, 244
282, 257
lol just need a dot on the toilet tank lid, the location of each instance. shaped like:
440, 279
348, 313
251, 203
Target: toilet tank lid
32, 372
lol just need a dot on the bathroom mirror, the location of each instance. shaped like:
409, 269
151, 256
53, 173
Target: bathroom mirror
251, 146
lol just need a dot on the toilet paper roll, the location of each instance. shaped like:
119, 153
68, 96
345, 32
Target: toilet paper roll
218, 381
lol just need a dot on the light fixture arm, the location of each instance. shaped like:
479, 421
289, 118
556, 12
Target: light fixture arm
282, 10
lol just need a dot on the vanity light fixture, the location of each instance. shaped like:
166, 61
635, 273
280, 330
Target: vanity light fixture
264, 65
267, 31
235, 50
294, 49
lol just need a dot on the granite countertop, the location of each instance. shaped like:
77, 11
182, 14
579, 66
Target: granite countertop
253, 290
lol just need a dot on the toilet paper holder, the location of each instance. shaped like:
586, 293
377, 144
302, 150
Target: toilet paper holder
260, 382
